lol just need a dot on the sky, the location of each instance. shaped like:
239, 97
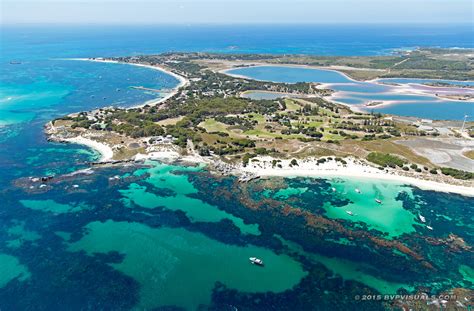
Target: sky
235, 11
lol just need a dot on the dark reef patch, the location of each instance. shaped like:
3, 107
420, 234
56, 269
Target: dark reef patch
59, 277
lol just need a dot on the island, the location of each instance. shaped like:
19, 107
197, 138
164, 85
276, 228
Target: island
210, 118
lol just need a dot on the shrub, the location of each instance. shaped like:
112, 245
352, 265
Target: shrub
457, 173
385, 159
246, 158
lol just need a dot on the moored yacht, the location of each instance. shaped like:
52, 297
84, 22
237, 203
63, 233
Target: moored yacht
256, 261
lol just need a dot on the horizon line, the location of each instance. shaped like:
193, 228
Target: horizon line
235, 23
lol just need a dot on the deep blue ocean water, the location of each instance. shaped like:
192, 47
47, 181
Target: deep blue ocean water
38, 230
89, 41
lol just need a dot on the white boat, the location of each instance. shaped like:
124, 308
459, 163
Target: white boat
378, 201
429, 227
256, 261
333, 189
423, 219
350, 213
357, 190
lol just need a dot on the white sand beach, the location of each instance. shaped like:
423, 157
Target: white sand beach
105, 151
170, 155
262, 166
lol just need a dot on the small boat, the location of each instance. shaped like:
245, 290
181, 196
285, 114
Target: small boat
429, 227
378, 201
423, 219
350, 213
256, 261
357, 190
15, 62
333, 189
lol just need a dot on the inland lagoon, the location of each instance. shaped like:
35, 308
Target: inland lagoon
402, 95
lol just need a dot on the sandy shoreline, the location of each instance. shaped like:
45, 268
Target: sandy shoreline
105, 151
353, 169
182, 80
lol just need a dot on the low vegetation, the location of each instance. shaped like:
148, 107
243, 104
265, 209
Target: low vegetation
209, 114
458, 174
385, 159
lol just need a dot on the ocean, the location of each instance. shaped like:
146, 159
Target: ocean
172, 237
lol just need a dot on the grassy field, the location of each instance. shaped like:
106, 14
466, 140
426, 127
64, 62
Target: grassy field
211, 125
170, 121
291, 105
389, 146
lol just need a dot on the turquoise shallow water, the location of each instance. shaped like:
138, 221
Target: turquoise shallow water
424, 81
389, 217
159, 232
33, 93
173, 236
161, 235
164, 176
170, 262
